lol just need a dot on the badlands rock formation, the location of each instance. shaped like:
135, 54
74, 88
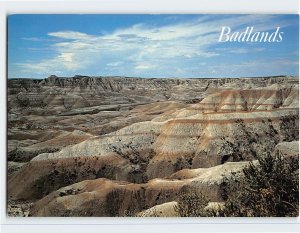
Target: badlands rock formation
117, 146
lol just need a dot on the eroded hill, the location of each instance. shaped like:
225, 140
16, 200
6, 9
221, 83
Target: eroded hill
106, 146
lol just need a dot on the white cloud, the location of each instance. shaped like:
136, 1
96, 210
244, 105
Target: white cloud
142, 47
240, 50
255, 68
114, 64
144, 67
70, 35
66, 57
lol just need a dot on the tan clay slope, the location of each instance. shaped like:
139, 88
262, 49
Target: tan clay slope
268, 98
276, 96
212, 139
63, 93
64, 139
114, 156
102, 197
146, 164
163, 210
148, 150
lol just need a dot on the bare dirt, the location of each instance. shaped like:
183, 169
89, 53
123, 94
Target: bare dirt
109, 146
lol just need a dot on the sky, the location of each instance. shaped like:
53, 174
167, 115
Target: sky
149, 46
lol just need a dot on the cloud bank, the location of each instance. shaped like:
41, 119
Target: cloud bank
185, 48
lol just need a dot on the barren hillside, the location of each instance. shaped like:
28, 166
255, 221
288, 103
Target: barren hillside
108, 146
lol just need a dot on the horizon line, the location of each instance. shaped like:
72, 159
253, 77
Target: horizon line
120, 76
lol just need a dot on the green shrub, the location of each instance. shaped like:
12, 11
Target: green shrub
191, 204
269, 189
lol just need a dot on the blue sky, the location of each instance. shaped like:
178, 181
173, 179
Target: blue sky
148, 46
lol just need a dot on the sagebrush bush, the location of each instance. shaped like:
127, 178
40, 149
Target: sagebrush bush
269, 189
191, 204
